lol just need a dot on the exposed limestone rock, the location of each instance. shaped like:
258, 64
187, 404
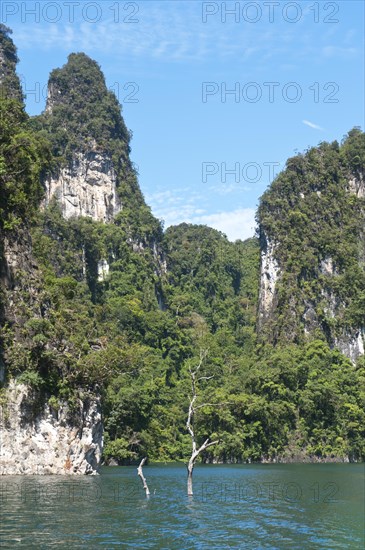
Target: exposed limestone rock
357, 186
48, 441
4, 64
160, 260
352, 344
103, 270
333, 304
326, 267
269, 274
87, 187
54, 97
310, 318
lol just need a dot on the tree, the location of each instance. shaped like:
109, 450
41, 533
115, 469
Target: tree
190, 421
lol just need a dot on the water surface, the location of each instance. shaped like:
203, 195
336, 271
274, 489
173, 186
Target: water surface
306, 506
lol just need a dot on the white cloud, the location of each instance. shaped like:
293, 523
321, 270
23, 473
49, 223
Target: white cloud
312, 125
236, 224
179, 205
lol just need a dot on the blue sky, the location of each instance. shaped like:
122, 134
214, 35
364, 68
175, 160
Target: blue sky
295, 70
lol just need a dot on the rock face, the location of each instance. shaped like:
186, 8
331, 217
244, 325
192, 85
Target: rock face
86, 187
34, 437
91, 141
352, 344
349, 340
269, 274
48, 441
3, 66
357, 186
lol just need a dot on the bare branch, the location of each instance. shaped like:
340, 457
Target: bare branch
143, 479
212, 443
205, 378
206, 445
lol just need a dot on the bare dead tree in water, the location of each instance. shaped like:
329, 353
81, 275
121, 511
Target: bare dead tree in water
190, 421
143, 479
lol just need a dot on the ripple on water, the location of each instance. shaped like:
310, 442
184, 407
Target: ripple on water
226, 511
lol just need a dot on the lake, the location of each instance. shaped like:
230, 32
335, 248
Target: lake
294, 506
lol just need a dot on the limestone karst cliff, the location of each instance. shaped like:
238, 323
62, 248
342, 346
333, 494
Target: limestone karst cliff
34, 437
73, 224
86, 183
39, 434
312, 223
83, 120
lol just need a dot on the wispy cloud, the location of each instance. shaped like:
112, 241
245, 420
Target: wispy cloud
176, 205
174, 31
312, 125
338, 51
174, 209
224, 190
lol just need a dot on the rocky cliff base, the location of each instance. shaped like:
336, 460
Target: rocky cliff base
48, 439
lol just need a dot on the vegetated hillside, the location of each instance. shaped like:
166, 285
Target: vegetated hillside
312, 230
123, 309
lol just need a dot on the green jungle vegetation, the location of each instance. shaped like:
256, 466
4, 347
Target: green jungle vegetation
267, 393
310, 214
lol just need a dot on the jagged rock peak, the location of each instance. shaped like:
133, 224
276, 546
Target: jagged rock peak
9, 80
85, 124
81, 103
80, 80
81, 109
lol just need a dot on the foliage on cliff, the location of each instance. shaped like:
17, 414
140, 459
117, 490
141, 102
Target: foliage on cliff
9, 81
129, 334
24, 159
24, 155
295, 401
314, 212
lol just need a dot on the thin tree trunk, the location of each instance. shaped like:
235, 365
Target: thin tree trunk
190, 468
143, 479
189, 423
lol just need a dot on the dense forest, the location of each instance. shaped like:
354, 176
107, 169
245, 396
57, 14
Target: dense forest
271, 391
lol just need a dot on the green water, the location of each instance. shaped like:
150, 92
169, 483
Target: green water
305, 506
